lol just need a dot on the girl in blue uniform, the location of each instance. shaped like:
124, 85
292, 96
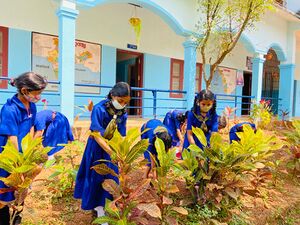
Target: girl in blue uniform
156, 130
174, 121
16, 121
203, 115
55, 129
88, 186
238, 128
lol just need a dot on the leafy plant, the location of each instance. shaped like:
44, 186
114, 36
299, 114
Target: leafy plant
78, 130
218, 173
22, 167
293, 137
229, 112
164, 185
66, 166
261, 114
125, 155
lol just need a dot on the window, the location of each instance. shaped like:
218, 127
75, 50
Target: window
3, 55
176, 78
198, 80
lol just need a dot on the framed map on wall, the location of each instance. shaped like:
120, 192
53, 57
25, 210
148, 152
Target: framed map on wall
224, 81
87, 62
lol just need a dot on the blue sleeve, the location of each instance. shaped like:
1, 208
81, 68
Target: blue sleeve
122, 125
144, 135
33, 111
9, 121
190, 120
40, 121
215, 124
97, 119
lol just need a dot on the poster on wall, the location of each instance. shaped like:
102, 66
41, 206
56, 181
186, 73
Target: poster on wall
87, 62
224, 81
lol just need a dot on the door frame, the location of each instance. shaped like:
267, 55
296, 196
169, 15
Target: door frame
140, 57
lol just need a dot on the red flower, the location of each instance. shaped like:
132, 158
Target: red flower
44, 100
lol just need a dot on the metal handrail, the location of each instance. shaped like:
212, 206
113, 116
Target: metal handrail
222, 98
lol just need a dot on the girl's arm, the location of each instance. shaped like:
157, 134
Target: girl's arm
189, 128
38, 133
190, 137
14, 141
103, 144
179, 135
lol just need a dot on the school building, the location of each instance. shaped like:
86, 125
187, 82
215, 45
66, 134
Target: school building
98, 46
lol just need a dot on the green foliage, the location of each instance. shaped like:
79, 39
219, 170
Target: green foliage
61, 181
23, 167
293, 137
164, 185
218, 173
261, 114
220, 26
114, 215
125, 154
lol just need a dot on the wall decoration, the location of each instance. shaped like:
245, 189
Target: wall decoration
87, 61
224, 81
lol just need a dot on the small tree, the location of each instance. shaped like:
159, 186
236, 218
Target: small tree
221, 24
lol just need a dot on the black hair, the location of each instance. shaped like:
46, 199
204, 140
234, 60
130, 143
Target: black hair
205, 94
222, 122
30, 81
165, 137
181, 117
121, 89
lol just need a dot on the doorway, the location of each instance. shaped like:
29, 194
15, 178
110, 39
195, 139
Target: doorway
246, 102
130, 70
270, 82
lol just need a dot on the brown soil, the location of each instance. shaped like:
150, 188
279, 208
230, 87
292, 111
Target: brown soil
279, 204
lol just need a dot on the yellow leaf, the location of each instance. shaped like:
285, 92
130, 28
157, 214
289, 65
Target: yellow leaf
151, 208
167, 201
103, 169
180, 210
112, 187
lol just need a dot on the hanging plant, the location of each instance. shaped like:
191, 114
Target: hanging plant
136, 23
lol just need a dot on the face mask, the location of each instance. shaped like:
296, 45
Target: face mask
32, 99
205, 108
117, 105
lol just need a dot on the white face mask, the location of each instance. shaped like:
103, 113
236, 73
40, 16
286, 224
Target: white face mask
117, 105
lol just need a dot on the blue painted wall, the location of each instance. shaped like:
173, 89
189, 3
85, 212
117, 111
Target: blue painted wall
296, 109
157, 76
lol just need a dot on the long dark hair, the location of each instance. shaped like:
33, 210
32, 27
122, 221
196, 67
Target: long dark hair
205, 95
30, 81
165, 137
121, 89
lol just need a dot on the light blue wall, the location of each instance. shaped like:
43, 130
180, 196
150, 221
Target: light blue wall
157, 76
19, 58
296, 109
293, 5
19, 61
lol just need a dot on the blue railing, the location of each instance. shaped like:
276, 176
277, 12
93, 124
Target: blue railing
154, 102
140, 96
